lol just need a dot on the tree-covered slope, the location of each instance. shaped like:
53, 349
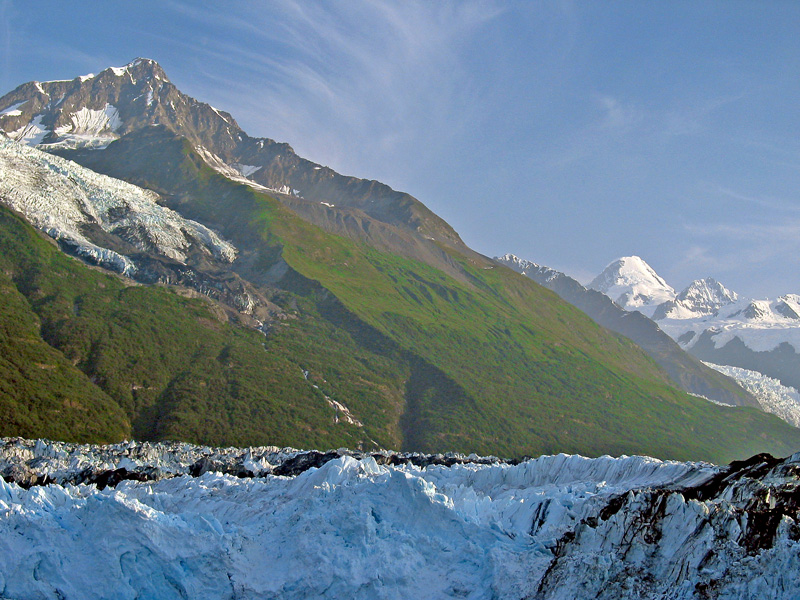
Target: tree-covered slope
89, 356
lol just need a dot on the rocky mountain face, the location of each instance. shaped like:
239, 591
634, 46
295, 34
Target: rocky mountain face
714, 324
93, 110
250, 296
686, 371
176, 520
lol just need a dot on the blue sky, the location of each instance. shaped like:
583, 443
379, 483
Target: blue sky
567, 133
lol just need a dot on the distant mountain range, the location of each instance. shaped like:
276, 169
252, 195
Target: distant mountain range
714, 323
686, 371
231, 292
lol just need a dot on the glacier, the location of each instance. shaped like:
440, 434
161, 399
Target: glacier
64, 200
780, 400
182, 521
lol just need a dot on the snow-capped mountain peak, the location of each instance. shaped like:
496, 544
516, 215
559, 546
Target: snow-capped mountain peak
700, 298
707, 292
94, 110
526, 267
633, 284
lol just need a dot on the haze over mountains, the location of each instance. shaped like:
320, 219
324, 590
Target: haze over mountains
256, 297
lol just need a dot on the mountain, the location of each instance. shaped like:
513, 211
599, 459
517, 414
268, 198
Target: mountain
701, 298
173, 520
279, 302
689, 373
91, 111
759, 335
717, 326
633, 285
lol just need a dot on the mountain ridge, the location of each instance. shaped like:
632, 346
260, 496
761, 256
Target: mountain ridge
443, 351
141, 95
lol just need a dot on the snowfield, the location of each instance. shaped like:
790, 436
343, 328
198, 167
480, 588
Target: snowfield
349, 525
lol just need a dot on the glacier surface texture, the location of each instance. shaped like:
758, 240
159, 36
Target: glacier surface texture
177, 521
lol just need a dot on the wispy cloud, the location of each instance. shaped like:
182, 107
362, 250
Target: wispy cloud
5, 40
338, 75
616, 114
763, 201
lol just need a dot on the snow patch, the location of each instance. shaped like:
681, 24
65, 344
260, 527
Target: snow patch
232, 172
13, 110
90, 128
246, 170
219, 114
32, 134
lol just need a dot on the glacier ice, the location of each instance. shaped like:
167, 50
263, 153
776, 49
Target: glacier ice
64, 199
360, 526
775, 398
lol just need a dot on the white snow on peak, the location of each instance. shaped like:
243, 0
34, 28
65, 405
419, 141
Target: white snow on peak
780, 400
64, 199
704, 306
86, 77
634, 285
525, 267
704, 297
762, 325
138, 61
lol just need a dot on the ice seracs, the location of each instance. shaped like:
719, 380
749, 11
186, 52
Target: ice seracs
66, 200
358, 525
775, 398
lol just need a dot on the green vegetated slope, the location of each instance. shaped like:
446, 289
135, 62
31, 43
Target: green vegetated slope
487, 362
126, 360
